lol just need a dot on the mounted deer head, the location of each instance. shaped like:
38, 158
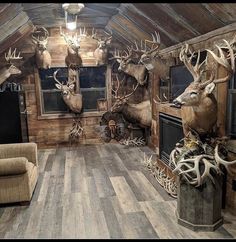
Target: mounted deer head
139, 113
72, 100
151, 59
147, 53
199, 111
121, 100
101, 53
40, 38
138, 71
10, 69
73, 59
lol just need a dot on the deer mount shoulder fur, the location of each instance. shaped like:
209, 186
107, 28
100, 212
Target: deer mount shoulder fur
73, 100
140, 112
101, 52
199, 105
198, 157
73, 59
40, 38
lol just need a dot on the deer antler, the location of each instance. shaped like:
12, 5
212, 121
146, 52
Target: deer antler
223, 60
118, 86
194, 70
39, 31
156, 41
219, 160
109, 36
55, 78
116, 55
12, 56
189, 169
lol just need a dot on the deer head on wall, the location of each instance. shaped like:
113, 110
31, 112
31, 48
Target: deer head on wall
101, 53
73, 59
199, 105
10, 68
72, 100
139, 113
138, 71
151, 59
40, 38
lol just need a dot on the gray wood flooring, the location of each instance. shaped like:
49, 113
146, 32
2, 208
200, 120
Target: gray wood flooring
99, 191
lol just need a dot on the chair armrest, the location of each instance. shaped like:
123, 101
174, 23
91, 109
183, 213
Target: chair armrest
27, 150
13, 166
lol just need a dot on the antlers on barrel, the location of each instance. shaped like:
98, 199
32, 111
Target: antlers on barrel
196, 168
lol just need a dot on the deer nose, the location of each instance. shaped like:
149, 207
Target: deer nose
177, 103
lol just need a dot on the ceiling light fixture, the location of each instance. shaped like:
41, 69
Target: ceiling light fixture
71, 12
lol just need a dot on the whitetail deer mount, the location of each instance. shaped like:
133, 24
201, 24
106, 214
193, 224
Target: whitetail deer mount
10, 68
40, 38
199, 105
140, 113
101, 53
151, 59
73, 59
72, 100
138, 71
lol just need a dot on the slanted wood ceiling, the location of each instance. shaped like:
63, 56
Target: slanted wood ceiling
127, 21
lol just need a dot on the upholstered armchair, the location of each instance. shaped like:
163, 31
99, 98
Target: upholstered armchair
18, 172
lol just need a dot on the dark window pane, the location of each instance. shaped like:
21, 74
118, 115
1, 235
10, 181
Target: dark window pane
92, 77
90, 99
53, 102
47, 80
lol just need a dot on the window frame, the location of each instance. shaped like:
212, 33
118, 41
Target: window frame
61, 115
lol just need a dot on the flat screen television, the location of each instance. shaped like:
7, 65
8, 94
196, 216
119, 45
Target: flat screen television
180, 78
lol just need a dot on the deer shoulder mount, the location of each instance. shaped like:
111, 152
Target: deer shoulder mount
151, 58
40, 38
140, 113
73, 59
72, 100
199, 105
127, 65
9, 68
101, 52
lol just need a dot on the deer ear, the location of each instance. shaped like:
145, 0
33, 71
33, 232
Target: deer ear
209, 88
72, 86
108, 42
58, 86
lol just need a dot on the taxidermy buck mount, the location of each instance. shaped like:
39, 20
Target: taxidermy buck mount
199, 105
197, 158
40, 38
73, 100
151, 59
101, 53
73, 59
9, 68
138, 71
140, 112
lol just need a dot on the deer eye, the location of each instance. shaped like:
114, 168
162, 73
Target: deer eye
193, 94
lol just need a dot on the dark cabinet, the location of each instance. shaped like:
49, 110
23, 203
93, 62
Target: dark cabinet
13, 117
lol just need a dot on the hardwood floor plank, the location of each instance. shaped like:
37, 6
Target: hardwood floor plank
99, 191
142, 182
103, 183
111, 219
125, 195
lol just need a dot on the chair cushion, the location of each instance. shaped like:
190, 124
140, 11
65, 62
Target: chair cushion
13, 166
